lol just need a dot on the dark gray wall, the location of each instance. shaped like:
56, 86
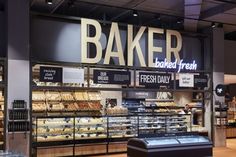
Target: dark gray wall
3, 35
53, 40
230, 57
18, 29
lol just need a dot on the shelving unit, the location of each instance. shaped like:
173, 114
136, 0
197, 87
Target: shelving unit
231, 118
2, 103
220, 114
18, 120
115, 129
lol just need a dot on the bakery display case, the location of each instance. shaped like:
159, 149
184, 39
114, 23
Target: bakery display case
174, 146
122, 127
53, 129
231, 120
90, 128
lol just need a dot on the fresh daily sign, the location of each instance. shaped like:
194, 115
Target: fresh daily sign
133, 46
154, 79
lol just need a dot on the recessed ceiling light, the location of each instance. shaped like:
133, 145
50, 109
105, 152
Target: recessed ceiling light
135, 13
49, 2
179, 21
213, 25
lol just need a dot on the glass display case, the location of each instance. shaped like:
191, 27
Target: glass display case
90, 128
58, 128
53, 129
124, 126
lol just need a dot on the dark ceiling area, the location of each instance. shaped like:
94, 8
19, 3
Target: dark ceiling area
184, 15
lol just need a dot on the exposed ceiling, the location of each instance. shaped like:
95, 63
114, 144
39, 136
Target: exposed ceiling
189, 15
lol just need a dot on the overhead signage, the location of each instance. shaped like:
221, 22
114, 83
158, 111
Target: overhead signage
178, 66
50, 74
111, 77
200, 81
154, 79
220, 90
173, 46
73, 75
186, 80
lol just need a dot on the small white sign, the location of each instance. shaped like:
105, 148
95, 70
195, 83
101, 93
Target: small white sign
186, 80
73, 75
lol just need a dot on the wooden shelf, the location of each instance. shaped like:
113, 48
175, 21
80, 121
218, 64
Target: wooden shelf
65, 88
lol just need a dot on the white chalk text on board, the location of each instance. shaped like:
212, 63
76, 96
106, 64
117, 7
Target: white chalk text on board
133, 44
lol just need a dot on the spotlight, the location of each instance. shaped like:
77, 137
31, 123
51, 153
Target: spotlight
158, 17
135, 13
179, 21
49, 2
213, 25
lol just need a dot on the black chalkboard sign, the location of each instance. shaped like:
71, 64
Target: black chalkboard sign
111, 77
50, 74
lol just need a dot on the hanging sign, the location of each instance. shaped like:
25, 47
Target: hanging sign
186, 80
50, 74
200, 81
111, 77
154, 79
133, 47
73, 75
220, 90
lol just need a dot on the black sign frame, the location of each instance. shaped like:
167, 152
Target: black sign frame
111, 77
50, 74
155, 84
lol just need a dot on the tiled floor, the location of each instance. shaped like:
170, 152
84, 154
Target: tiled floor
229, 151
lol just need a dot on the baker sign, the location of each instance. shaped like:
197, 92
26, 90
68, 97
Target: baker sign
133, 46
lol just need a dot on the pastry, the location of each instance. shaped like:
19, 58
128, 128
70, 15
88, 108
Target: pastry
79, 96
71, 106
94, 96
38, 96
83, 129
39, 107
55, 106
83, 121
67, 96
54, 96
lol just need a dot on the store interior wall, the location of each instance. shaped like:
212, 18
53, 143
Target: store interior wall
230, 56
61, 38
218, 78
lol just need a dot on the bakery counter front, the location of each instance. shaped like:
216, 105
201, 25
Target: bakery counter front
108, 134
170, 147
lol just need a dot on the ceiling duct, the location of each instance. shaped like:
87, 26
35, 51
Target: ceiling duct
192, 9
